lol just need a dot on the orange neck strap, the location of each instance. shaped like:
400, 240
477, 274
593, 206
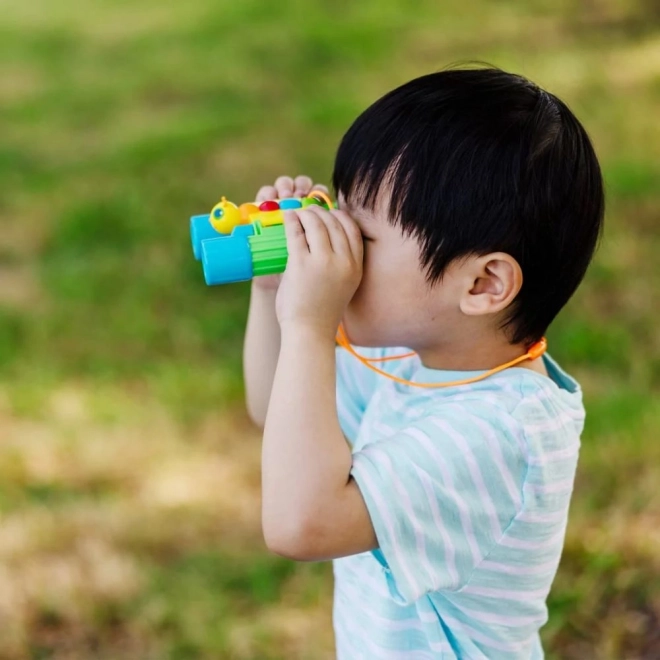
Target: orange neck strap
535, 351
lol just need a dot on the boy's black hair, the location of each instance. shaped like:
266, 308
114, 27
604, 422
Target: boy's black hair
480, 160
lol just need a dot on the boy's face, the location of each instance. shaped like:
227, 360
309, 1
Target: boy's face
393, 305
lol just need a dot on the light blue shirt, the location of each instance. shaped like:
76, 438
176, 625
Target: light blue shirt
468, 489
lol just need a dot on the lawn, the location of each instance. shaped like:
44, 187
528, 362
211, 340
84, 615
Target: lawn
129, 472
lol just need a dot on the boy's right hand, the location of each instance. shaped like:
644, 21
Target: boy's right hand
284, 187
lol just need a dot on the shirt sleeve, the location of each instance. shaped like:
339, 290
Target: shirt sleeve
356, 384
440, 494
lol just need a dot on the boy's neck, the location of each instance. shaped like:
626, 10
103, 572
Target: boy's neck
468, 354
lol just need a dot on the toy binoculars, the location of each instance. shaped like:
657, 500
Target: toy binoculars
237, 243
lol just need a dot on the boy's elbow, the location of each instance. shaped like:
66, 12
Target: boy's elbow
257, 417
287, 548
292, 542
259, 422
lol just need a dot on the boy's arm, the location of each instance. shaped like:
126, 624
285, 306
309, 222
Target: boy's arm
312, 508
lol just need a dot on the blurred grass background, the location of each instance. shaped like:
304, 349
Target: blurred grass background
129, 473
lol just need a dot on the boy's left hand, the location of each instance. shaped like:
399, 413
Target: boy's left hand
323, 270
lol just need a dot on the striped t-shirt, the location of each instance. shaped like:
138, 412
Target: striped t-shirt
468, 489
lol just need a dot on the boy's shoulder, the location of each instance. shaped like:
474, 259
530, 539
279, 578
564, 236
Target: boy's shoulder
508, 388
542, 412
521, 393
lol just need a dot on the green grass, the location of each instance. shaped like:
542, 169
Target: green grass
129, 476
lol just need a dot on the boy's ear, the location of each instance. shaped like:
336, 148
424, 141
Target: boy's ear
492, 284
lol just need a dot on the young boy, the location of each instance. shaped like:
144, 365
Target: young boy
470, 204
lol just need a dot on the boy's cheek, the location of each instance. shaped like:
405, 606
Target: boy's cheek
354, 326
365, 318
355, 317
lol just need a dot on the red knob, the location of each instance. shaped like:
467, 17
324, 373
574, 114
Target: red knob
269, 206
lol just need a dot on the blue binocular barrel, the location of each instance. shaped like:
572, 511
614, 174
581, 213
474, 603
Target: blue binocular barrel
227, 259
200, 230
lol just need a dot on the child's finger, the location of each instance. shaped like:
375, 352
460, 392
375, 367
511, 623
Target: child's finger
302, 185
296, 239
284, 186
316, 232
265, 193
336, 233
352, 233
